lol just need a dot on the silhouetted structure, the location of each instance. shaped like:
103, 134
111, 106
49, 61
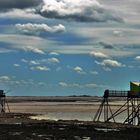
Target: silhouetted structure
131, 105
3, 102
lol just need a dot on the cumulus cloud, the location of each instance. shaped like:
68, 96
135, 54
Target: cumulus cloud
137, 58
77, 85
6, 5
70, 85
16, 65
75, 10
40, 68
110, 63
36, 29
94, 72
91, 85
53, 60
49, 61
5, 78
118, 33
98, 54
79, 70
21, 13
34, 62
54, 53
33, 49
63, 84
24, 60
78, 10
13, 83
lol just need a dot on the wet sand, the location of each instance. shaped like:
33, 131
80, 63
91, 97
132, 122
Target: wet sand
43, 105
18, 125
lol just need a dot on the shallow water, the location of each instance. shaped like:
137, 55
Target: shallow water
82, 116
82, 111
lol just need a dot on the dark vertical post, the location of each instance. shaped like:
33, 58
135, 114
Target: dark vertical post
2, 101
106, 95
134, 117
128, 108
3, 104
106, 109
138, 111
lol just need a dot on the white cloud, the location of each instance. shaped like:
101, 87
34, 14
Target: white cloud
137, 57
13, 83
16, 65
21, 13
110, 63
58, 28
24, 60
34, 62
91, 85
98, 54
70, 85
94, 72
42, 84
40, 68
30, 28
78, 10
50, 61
53, 60
34, 50
5, 78
118, 33
77, 85
79, 70
63, 84
54, 53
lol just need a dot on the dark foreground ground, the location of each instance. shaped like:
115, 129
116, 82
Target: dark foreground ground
20, 127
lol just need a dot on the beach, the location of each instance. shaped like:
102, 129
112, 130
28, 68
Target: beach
60, 118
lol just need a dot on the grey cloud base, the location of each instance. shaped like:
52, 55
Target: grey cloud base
6, 5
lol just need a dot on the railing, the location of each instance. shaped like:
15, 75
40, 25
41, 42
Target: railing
121, 93
116, 93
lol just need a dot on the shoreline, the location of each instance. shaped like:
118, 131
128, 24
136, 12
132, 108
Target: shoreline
21, 127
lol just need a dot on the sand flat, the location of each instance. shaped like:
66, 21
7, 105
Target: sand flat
42, 105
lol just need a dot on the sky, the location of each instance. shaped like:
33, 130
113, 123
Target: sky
68, 47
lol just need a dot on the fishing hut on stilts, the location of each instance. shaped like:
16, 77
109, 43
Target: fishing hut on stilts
3, 103
130, 109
